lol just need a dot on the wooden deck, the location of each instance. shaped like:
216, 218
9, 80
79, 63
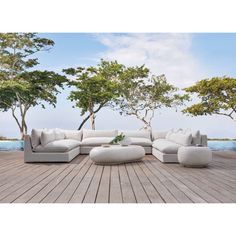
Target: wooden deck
149, 181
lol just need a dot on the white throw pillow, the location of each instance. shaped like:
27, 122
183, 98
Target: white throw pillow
47, 137
173, 131
73, 134
99, 133
35, 137
180, 138
196, 136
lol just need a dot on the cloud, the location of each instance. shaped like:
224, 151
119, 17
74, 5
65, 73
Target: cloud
168, 54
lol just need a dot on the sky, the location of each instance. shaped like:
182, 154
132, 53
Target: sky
183, 58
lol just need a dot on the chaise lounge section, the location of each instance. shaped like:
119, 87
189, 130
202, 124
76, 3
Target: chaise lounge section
166, 144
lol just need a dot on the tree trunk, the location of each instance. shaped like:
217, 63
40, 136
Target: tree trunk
20, 123
92, 117
92, 120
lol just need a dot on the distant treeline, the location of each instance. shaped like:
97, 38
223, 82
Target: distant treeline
221, 139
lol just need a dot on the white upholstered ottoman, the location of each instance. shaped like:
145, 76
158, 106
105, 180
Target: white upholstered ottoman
116, 154
192, 156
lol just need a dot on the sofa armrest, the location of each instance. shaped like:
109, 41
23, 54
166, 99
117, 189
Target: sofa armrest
204, 140
27, 148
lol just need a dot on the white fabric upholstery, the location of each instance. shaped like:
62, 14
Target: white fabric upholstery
73, 134
180, 138
59, 134
64, 145
30, 156
137, 134
159, 135
116, 154
145, 142
166, 146
194, 156
87, 149
165, 157
35, 137
99, 133
196, 136
96, 141
47, 136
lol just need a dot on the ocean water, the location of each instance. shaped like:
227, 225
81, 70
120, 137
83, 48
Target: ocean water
11, 145
222, 145
214, 145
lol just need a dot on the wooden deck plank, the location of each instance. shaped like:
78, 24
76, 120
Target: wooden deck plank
153, 195
184, 179
13, 180
34, 190
26, 178
126, 188
82, 188
139, 192
115, 188
158, 185
146, 181
103, 194
91, 194
194, 197
50, 186
219, 191
56, 192
14, 195
176, 192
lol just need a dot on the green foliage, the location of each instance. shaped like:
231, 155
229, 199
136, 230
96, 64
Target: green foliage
217, 96
30, 89
94, 87
117, 139
17, 50
141, 94
20, 86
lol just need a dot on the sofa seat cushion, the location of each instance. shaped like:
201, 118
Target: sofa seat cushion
96, 141
64, 145
145, 142
166, 146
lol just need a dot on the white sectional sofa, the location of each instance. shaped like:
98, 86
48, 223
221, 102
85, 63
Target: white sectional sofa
57, 145
166, 144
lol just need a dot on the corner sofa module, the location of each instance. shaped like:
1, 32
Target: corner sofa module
56, 151
166, 144
141, 138
95, 138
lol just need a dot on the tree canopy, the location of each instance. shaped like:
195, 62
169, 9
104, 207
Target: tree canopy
94, 87
20, 86
143, 94
216, 96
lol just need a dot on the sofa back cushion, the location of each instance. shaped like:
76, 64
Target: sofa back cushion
35, 137
73, 134
159, 134
196, 137
137, 134
59, 134
99, 133
47, 136
181, 138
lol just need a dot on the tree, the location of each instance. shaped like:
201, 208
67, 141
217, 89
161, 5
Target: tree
217, 96
95, 88
142, 95
20, 87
